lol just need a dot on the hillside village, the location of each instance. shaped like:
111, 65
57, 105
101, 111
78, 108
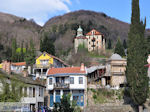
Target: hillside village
82, 66
50, 78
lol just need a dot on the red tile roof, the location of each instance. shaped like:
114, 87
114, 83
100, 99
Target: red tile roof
95, 32
19, 64
66, 70
54, 58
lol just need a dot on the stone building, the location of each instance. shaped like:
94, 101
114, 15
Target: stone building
115, 70
93, 41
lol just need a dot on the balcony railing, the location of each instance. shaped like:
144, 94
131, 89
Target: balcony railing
61, 86
42, 65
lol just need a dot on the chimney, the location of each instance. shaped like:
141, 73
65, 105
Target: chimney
6, 66
82, 67
25, 73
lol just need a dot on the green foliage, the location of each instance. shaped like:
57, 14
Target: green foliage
14, 47
11, 92
65, 105
148, 44
18, 50
94, 96
17, 53
124, 44
47, 44
119, 48
30, 54
102, 95
136, 73
109, 44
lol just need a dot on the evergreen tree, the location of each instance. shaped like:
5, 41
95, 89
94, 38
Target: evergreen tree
148, 44
124, 44
22, 53
14, 47
47, 45
136, 73
30, 54
109, 44
119, 48
65, 105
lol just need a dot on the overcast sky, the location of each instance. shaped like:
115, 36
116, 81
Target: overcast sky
42, 10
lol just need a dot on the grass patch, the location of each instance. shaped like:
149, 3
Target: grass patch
105, 95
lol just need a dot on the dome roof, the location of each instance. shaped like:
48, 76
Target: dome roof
79, 29
116, 57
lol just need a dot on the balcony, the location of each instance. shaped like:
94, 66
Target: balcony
42, 65
61, 86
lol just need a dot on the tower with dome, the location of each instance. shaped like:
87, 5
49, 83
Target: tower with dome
93, 41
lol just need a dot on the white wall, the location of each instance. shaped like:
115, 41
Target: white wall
76, 84
31, 99
17, 69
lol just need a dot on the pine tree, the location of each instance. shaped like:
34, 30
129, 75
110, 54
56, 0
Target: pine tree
124, 44
148, 43
30, 54
14, 47
109, 44
22, 53
136, 73
47, 45
119, 48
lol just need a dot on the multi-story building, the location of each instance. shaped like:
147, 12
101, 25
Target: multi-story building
61, 81
115, 71
95, 74
44, 62
111, 75
32, 90
93, 41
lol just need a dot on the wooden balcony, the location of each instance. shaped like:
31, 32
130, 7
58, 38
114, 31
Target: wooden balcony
61, 86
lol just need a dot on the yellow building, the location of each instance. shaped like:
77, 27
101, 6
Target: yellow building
1, 66
44, 62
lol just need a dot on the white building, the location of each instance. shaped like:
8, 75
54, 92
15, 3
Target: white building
32, 90
61, 81
18, 67
34, 96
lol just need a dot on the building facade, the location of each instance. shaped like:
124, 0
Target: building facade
62, 81
33, 96
115, 71
44, 62
93, 41
18, 67
31, 91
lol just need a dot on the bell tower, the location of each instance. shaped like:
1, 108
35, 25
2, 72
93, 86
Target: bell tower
79, 31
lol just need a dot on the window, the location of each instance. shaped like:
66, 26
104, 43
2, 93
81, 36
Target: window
50, 81
71, 80
80, 80
30, 91
41, 92
33, 92
25, 92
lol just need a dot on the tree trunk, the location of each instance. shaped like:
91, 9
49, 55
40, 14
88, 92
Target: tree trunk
140, 108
